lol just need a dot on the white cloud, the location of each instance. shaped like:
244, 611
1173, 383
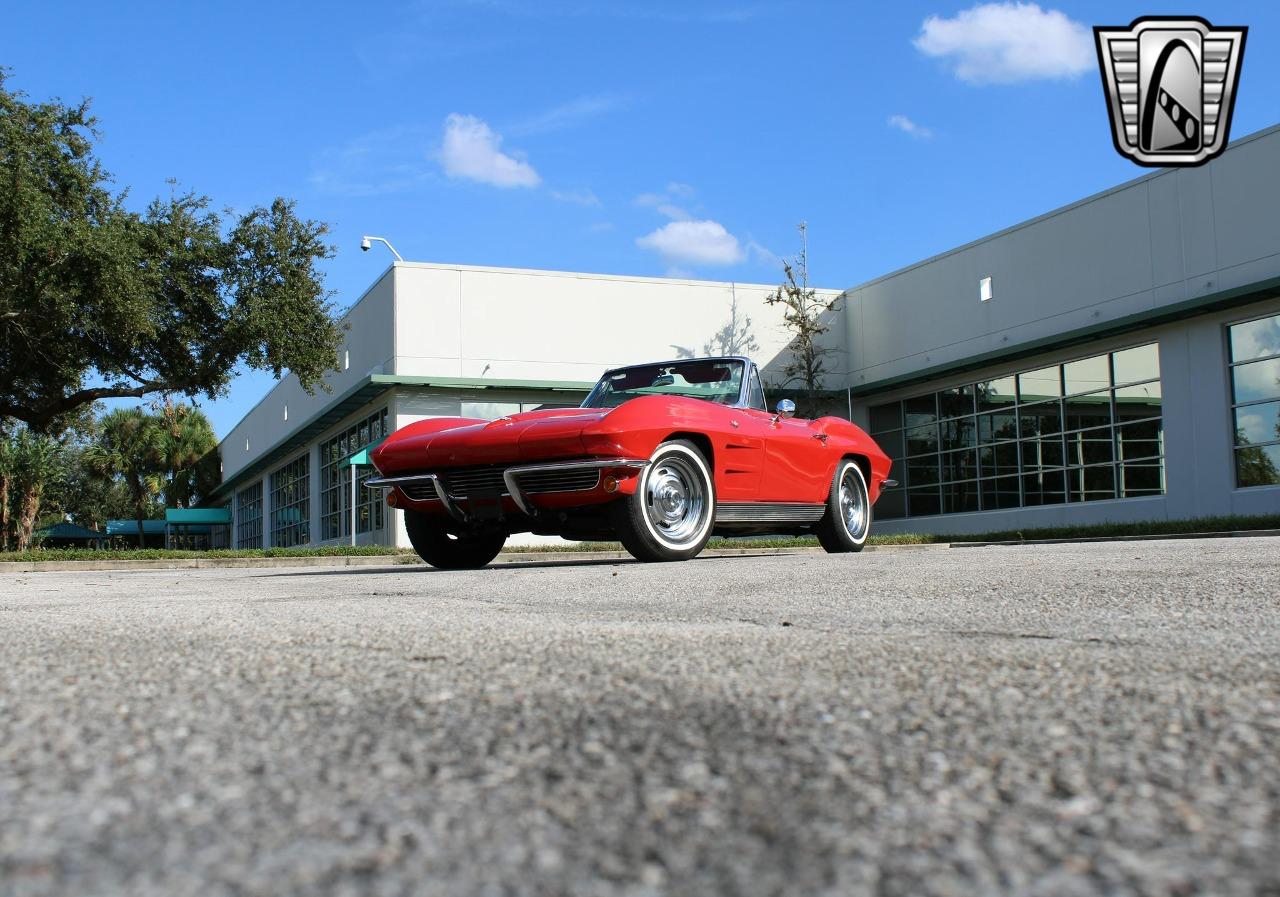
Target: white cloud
694, 243
662, 202
1002, 43
567, 114
907, 126
471, 151
580, 197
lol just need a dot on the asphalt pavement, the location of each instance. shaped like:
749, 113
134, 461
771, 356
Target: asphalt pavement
1050, 720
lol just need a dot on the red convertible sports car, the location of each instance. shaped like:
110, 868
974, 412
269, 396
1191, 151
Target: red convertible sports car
659, 456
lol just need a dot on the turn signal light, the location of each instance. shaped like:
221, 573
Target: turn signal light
392, 501
610, 484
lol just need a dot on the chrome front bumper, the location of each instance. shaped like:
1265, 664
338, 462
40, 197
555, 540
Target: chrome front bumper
510, 476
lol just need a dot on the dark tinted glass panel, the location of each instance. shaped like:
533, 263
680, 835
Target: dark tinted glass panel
922, 471
1140, 478
886, 417
891, 444
921, 502
960, 497
960, 465
922, 439
1140, 363
1142, 440
1256, 381
1041, 420
959, 433
891, 505
1258, 466
1042, 384
1255, 339
1092, 410
997, 427
1090, 447
998, 460
1038, 453
993, 395
956, 401
1258, 423
1045, 488
1091, 483
1087, 374
1001, 493
920, 410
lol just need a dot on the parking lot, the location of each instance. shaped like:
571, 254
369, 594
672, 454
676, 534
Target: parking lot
1054, 720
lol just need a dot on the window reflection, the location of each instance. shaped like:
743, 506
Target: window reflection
1014, 441
1255, 339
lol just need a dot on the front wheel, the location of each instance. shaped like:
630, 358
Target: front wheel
847, 522
670, 515
438, 548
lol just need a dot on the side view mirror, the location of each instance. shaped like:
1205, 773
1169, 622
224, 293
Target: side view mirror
786, 408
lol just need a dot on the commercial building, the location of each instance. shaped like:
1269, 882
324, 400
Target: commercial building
1114, 360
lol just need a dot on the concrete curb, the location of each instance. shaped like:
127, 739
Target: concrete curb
376, 560
1230, 534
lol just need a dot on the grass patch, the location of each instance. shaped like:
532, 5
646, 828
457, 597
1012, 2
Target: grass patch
1098, 530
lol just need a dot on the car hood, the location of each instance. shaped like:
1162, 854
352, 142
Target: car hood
528, 436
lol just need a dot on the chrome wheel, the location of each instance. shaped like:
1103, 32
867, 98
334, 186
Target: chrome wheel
853, 503
676, 500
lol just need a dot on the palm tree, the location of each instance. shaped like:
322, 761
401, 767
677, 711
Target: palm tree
190, 470
130, 444
34, 461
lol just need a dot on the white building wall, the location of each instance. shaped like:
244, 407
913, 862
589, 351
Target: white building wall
514, 324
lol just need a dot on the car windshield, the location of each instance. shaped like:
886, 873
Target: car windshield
717, 381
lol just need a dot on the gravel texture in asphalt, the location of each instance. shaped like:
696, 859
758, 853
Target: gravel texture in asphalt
1057, 720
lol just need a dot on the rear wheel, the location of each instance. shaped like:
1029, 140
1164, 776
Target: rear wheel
847, 522
670, 515
439, 548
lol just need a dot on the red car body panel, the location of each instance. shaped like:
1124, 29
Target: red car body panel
756, 456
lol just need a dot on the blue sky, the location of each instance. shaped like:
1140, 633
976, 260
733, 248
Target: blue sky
632, 137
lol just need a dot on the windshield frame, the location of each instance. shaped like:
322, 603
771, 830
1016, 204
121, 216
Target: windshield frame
748, 366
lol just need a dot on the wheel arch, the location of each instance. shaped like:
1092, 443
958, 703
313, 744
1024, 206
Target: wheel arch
701, 440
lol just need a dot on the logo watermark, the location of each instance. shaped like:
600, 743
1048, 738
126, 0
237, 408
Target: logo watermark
1170, 85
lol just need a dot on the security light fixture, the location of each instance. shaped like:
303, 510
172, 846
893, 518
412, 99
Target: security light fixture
367, 241
984, 289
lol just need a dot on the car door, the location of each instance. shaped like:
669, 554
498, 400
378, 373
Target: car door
797, 462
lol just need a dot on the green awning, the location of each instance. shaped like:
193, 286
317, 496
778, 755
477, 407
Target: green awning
360, 458
197, 515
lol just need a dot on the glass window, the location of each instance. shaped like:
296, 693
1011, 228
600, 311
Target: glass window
1258, 466
998, 460
1023, 444
718, 381
1256, 381
922, 471
1087, 374
1090, 447
922, 439
1092, 410
1091, 483
956, 401
755, 392
249, 516
1000, 493
1255, 339
1041, 419
291, 503
891, 505
1258, 423
960, 432
1137, 364
1042, 384
997, 427
920, 410
961, 465
335, 481
886, 417
993, 395
1255, 387
1137, 402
